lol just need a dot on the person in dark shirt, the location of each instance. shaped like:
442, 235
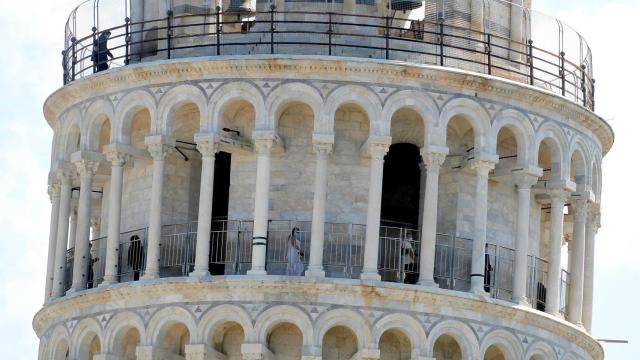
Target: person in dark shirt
101, 52
135, 256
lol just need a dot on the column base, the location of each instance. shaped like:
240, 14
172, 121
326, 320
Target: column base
314, 273
150, 276
428, 283
202, 274
107, 282
370, 276
257, 272
554, 312
522, 301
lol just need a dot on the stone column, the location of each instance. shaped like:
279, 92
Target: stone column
524, 181
81, 257
54, 195
477, 15
482, 168
117, 159
556, 233
592, 227
73, 225
377, 151
158, 150
423, 184
95, 227
579, 210
517, 17
263, 144
322, 150
63, 234
208, 147
432, 161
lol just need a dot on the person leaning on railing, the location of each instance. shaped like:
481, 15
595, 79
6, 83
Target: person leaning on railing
101, 53
295, 266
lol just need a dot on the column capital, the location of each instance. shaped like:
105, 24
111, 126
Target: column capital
526, 178
158, 151
53, 190
433, 159
322, 148
482, 166
87, 167
558, 194
117, 158
264, 141
593, 216
579, 208
376, 147
208, 144
64, 173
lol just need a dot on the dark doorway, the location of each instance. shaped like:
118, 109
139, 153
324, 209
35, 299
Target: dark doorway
401, 186
220, 213
399, 236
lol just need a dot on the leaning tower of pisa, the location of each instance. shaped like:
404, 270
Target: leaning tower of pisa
302, 179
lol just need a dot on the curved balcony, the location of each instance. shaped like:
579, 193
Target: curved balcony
541, 51
230, 254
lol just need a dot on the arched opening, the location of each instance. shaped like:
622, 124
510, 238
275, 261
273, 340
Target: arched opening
173, 338
400, 209
61, 351
549, 160
104, 136
507, 149
578, 171
236, 125
285, 341
447, 348
228, 339
73, 141
89, 347
126, 342
339, 343
537, 357
395, 345
494, 353
296, 171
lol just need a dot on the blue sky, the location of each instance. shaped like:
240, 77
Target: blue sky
30, 70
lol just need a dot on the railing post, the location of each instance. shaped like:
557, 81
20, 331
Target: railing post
169, 32
127, 40
273, 27
441, 41
531, 74
593, 94
562, 75
74, 59
386, 36
218, 30
330, 31
65, 72
95, 50
583, 86
488, 49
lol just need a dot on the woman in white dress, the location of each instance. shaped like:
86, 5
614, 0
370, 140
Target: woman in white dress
295, 267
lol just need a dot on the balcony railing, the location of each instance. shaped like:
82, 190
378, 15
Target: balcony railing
549, 55
398, 257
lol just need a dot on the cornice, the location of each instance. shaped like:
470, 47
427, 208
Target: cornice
366, 71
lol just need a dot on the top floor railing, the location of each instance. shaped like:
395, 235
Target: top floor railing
398, 256
549, 54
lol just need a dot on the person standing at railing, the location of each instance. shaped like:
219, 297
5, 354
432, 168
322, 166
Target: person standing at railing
101, 52
487, 272
295, 267
409, 259
135, 254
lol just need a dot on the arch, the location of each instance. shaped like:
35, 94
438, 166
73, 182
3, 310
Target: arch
118, 326
471, 111
505, 341
173, 100
580, 162
58, 344
460, 332
541, 349
554, 138
274, 316
360, 96
71, 135
404, 323
417, 101
128, 106
227, 94
293, 92
339, 343
520, 126
596, 176
82, 337
166, 317
99, 112
217, 317
343, 317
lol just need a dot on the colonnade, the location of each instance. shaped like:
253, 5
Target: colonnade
584, 212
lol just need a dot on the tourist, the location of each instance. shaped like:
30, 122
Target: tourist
409, 260
295, 267
101, 52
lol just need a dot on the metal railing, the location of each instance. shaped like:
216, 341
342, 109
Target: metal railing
563, 66
565, 282
398, 256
